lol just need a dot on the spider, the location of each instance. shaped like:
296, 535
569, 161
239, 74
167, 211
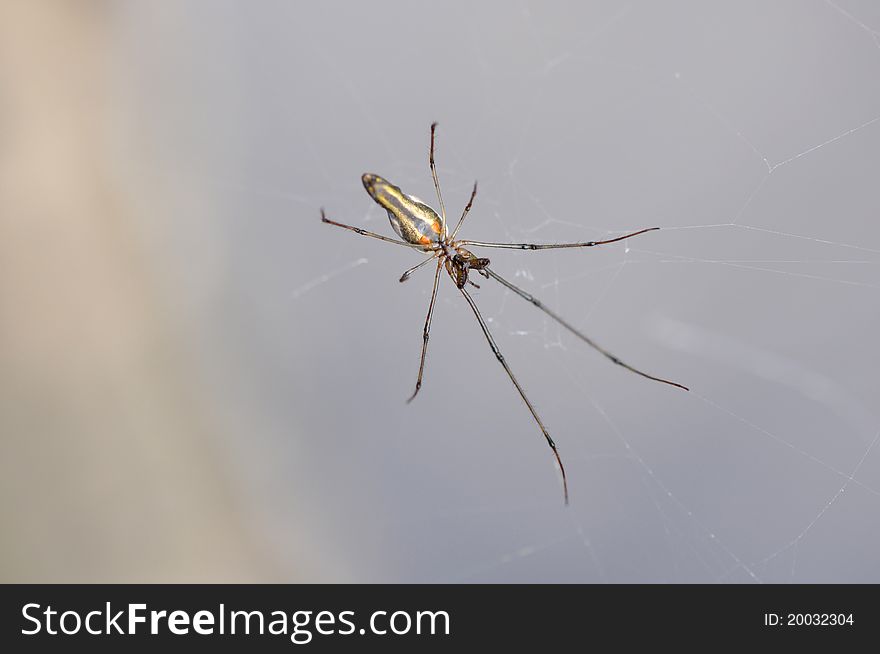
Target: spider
422, 229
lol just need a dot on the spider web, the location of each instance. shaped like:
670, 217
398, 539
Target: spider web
749, 135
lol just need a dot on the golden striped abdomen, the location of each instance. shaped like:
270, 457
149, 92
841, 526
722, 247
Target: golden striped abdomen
413, 220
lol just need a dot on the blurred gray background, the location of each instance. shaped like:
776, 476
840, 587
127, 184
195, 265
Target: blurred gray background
199, 381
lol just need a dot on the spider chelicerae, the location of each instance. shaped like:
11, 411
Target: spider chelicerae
422, 229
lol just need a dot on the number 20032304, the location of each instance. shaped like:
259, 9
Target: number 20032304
808, 619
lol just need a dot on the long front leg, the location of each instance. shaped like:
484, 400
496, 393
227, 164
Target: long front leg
531, 298
519, 388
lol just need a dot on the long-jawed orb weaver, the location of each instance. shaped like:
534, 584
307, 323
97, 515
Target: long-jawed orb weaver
422, 229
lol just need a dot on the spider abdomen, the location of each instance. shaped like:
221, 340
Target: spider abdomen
412, 220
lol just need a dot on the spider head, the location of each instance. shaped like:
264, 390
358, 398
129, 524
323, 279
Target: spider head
464, 261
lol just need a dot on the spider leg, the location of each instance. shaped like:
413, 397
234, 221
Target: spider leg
437, 181
519, 388
531, 298
464, 213
554, 246
426, 333
409, 272
364, 232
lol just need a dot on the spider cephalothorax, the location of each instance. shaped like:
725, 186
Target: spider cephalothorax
458, 265
422, 228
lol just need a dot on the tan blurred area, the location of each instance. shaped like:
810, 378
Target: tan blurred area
109, 468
